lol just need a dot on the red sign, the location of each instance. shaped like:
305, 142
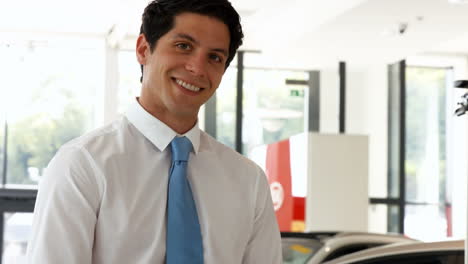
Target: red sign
278, 170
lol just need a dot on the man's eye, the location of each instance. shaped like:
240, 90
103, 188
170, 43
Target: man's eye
216, 58
183, 46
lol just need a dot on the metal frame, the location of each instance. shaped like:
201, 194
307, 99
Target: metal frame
5, 153
210, 116
397, 70
313, 102
239, 98
402, 142
342, 104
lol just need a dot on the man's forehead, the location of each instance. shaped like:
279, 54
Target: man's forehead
185, 13
187, 27
179, 18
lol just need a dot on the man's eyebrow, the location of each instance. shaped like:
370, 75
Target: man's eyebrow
222, 51
187, 37
190, 38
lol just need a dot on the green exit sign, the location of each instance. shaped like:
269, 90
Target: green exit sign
296, 92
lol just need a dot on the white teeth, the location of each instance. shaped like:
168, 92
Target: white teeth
188, 86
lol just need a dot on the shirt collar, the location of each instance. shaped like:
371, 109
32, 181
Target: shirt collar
156, 131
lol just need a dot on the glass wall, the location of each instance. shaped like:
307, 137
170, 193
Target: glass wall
427, 213
129, 79
48, 98
226, 95
430, 189
273, 110
16, 234
51, 92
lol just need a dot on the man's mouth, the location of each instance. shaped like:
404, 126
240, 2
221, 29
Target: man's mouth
188, 86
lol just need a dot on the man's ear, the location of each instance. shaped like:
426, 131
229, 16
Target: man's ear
142, 49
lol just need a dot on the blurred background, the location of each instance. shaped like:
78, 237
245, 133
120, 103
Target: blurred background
375, 68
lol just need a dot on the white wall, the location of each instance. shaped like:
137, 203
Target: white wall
329, 100
369, 99
337, 169
366, 114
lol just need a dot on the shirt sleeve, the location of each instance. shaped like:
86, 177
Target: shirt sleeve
65, 213
265, 241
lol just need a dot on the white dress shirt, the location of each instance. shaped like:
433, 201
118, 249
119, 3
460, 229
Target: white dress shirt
103, 199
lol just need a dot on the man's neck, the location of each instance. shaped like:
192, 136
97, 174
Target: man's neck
180, 124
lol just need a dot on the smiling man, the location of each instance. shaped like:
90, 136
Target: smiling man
151, 187
184, 69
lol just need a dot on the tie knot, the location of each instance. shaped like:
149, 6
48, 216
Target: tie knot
181, 147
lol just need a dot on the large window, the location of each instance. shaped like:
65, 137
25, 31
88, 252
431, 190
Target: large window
425, 160
226, 108
426, 153
16, 234
51, 92
129, 79
273, 110
48, 98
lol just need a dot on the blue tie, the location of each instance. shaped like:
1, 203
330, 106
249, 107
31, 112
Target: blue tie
183, 240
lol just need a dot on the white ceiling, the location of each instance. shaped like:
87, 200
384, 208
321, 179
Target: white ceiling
294, 34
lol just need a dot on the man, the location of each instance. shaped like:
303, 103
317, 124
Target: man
107, 197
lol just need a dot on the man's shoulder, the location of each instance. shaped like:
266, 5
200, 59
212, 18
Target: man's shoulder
99, 137
226, 153
209, 143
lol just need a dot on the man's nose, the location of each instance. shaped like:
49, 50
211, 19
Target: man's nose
197, 65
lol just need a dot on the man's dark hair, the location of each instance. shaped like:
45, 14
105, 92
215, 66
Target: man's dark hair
158, 19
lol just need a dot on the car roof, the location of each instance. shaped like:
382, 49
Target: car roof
324, 243
325, 235
340, 242
398, 249
318, 235
353, 233
361, 238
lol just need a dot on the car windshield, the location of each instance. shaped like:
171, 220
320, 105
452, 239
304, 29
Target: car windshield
299, 250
